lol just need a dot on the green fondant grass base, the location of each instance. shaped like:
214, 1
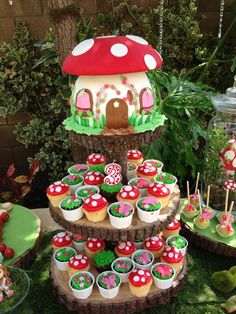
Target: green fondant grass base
20, 232
210, 232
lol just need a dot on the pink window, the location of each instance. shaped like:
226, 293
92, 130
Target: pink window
146, 99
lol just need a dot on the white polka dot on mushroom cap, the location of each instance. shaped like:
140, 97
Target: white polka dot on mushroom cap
61, 234
124, 194
97, 178
135, 271
119, 50
51, 190
97, 173
96, 196
171, 255
137, 39
76, 263
94, 203
135, 155
128, 188
154, 189
148, 274
94, 160
155, 238
97, 156
153, 242
83, 261
143, 279
60, 240
90, 172
57, 183
79, 256
90, 244
176, 250
98, 244
150, 62
171, 224
67, 238
132, 194
83, 47
127, 248
86, 201
146, 170
140, 272
91, 178
136, 278
58, 189
168, 248
122, 245
129, 243
148, 244
94, 239
176, 256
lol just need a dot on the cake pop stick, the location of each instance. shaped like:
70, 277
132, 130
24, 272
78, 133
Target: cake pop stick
226, 200
199, 202
229, 212
197, 181
208, 196
188, 192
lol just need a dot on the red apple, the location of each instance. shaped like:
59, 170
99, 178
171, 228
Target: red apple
9, 252
2, 247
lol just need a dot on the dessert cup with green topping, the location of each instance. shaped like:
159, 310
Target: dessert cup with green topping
168, 179
163, 275
156, 163
141, 184
108, 284
103, 260
120, 214
143, 259
148, 209
61, 257
179, 242
71, 208
74, 182
123, 266
79, 241
81, 284
78, 169
86, 191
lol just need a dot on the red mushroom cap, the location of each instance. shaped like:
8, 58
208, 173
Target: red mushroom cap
140, 277
129, 192
57, 188
93, 178
158, 189
79, 261
62, 239
154, 243
96, 159
230, 185
110, 55
134, 154
172, 255
147, 170
95, 244
125, 247
94, 203
175, 224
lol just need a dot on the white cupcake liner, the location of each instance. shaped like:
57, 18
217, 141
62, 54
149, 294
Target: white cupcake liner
165, 283
83, 174
108, 293
74, 187
63, 266
124, 277
79, 246
86, 186
85, 293
120, 222
183, 250
148, 266
147, 216
72, 214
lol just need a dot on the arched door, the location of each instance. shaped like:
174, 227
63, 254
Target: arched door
117, 114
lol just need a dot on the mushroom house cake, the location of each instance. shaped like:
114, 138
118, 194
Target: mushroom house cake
112, 94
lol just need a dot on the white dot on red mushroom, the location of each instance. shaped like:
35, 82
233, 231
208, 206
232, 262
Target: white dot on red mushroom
137, 39
132, 194
83, 47
94, 203
124, 194
136, 278
119, 50
91, 178
150, 62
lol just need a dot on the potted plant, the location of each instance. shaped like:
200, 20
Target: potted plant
62, 256
103, 260
81, 284
143, 259
168, 179
179, 242
123, 266
120, 214
86, 191
148, 209
74, 182
71, 208
108, 284
163, 275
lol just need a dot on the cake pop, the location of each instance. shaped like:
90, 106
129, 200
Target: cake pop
224, 228
208, 211
223, 216
201, 221
189, 210
194, 197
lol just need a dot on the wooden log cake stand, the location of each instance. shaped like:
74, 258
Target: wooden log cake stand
104, 230
124, 303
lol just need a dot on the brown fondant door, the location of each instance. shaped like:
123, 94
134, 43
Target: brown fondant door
117, 114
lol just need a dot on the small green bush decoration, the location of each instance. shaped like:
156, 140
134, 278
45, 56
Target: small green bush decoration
223, 281
232, 270
104, 258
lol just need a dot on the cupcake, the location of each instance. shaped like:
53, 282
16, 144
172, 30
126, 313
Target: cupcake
160, 191
109, 191
135, 156
79, 241
56, 192
86, 191
163, 275
103, 260
141, 184
78, 169
173, 256
74, 182
94, 178
124, 248
208, 212
140, 281
225, 230
95, 208
155, 245
128, 194
223, 216
202, 222
96, 162
168, 179
78, 263
108, 284
179, 242
120, 214
147, 171
131, 170
156, 163
172, 228
143, 259
148, 209
71, 208
61, 239
123, 266
81, 284
62, 257
93, 246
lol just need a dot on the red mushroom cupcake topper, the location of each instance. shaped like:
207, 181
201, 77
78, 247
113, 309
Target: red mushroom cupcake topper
93, 178
79, 261
172, 255
158, 189
94, 203
96, 159
140, 277
58, 187
95, 244
129, 192
62, 239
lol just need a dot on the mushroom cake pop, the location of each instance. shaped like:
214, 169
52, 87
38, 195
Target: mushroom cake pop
189, 210
135, 156
207, 211
194, 197
112, 85
201, 221
96, 161
224, 229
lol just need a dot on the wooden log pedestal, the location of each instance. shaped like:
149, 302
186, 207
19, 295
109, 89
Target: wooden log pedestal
104, 230
124, 303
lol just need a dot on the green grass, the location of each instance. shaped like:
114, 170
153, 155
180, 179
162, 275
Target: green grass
197, 296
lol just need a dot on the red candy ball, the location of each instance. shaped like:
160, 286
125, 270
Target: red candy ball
9, 252
2, 247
